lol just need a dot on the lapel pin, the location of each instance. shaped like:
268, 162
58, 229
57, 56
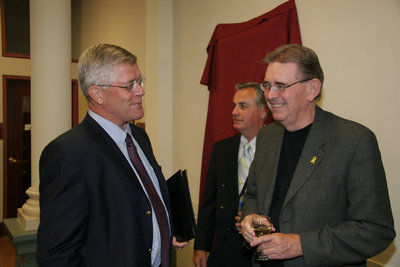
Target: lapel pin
313, 159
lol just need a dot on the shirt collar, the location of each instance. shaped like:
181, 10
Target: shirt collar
116, 133
243, 141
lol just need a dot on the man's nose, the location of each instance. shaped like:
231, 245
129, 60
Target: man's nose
139, 91
270, 94
235, 111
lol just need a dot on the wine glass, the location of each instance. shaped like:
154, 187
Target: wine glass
262, 226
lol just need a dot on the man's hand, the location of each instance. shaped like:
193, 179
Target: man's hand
178, 245
200, 258
247, 229
278, 245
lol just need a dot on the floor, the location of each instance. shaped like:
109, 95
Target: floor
7, 253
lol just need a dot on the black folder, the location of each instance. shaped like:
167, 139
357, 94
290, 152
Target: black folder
181, 206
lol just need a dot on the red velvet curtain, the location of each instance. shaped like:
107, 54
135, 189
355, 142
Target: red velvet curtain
235, 54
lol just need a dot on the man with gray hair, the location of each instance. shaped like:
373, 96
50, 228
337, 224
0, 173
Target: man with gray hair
318, 176
226, 183
103, 198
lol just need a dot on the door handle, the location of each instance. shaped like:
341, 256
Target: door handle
13, 160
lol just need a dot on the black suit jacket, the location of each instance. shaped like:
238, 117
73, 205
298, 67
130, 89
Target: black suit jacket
94, 211
219, 206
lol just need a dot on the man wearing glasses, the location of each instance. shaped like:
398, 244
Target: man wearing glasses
319, 177
103, 197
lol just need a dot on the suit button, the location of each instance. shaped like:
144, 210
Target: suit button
148, 213
221, 207
150, 250
228, 230
222, 186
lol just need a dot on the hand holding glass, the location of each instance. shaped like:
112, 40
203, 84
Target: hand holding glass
262, 226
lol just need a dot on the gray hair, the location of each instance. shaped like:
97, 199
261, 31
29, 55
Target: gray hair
96, 63
305, 58
259, 99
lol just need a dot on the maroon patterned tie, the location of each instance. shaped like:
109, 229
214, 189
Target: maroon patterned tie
158, 206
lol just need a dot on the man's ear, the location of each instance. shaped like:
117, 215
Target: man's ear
314, 89
96, 94
264, 113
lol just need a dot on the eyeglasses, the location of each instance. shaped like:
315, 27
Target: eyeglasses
278, 87
131, 86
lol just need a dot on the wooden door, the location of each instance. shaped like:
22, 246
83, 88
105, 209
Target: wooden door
17, 140
17, 166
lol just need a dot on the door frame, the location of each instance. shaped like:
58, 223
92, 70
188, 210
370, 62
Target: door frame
6, 78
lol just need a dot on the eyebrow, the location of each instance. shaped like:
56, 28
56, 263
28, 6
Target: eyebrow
242, 103
275, 82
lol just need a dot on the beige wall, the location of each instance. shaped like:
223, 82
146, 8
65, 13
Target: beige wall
356, 40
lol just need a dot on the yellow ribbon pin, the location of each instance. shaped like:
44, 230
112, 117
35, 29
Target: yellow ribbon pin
313, 159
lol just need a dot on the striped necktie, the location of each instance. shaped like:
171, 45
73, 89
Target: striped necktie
244, 165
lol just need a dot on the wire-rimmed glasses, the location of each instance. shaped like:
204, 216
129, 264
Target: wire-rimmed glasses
278, 87
131, 85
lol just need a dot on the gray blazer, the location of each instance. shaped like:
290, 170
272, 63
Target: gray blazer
338, 199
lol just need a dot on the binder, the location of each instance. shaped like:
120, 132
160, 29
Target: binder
183, 221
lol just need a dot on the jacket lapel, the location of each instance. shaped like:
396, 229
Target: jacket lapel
230, 154
312, 154
269, 151
109, 148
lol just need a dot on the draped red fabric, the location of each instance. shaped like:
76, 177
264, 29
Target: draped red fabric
235, 54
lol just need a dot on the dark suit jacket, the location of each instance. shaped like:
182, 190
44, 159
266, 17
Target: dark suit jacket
337, 201
94, 211
219, 206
